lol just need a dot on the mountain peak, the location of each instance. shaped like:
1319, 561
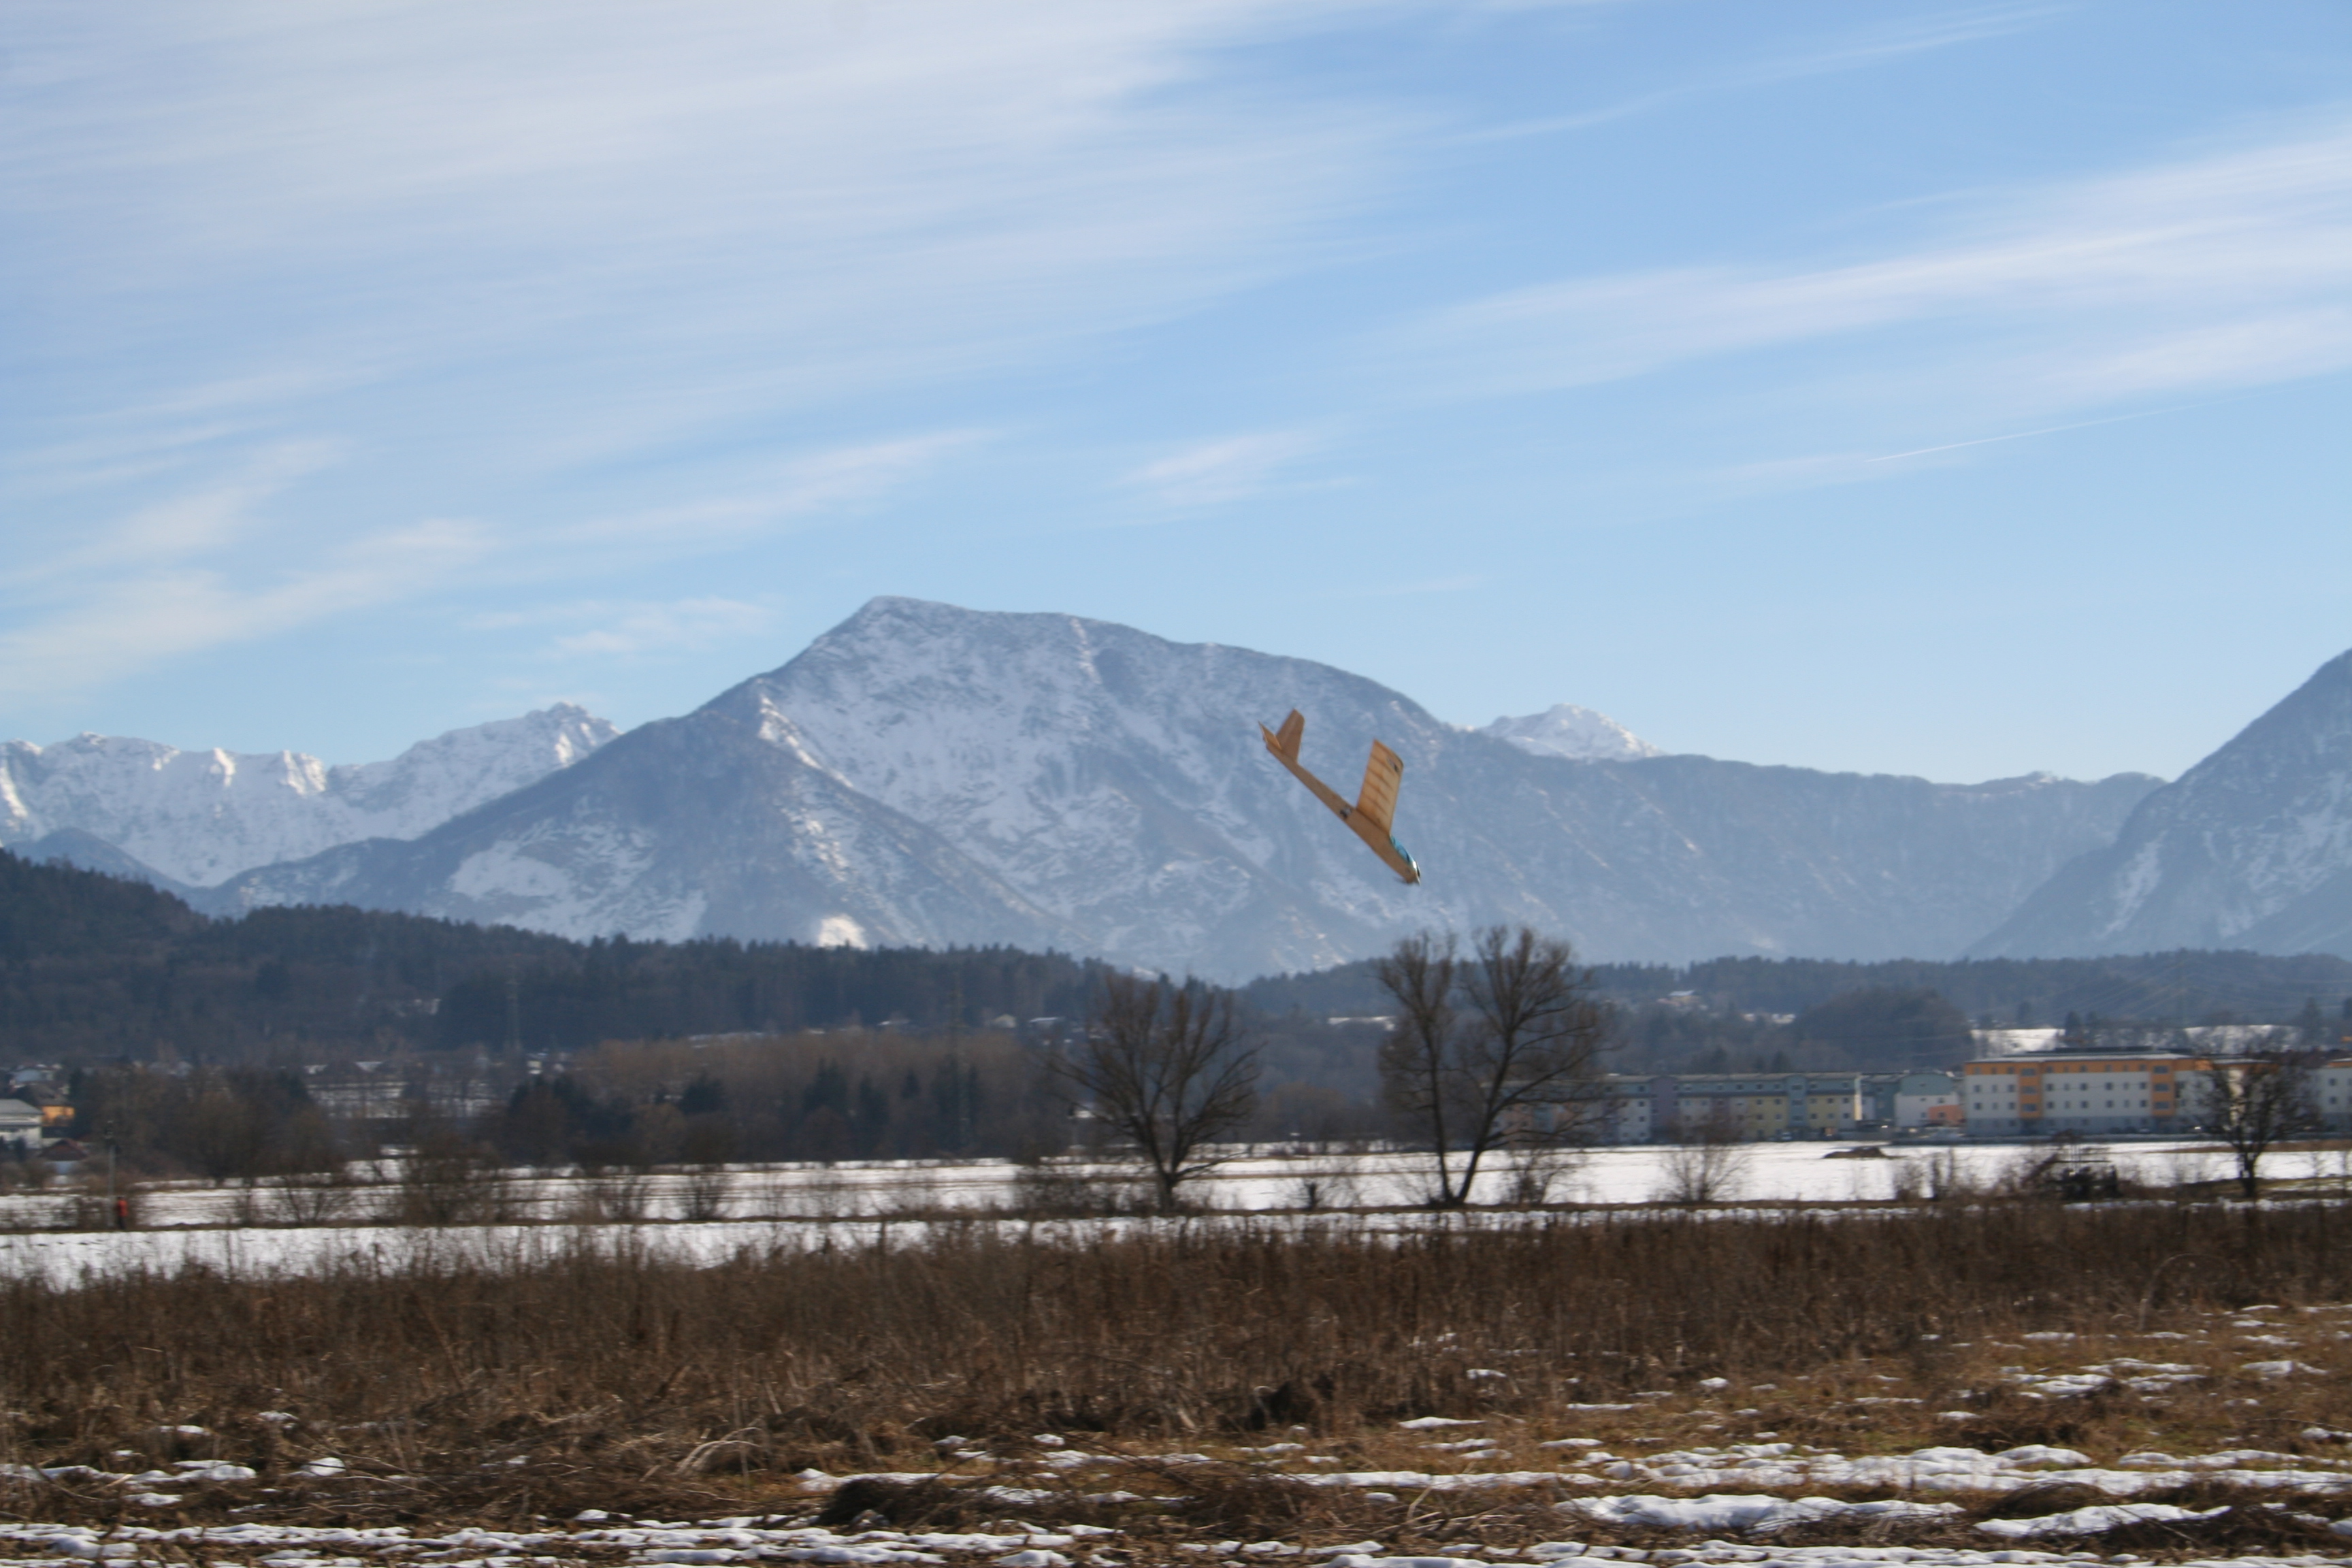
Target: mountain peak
1564, 730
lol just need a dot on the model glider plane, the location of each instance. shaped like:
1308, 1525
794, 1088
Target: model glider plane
1374, 812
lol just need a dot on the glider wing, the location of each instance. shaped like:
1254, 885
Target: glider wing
1382, 772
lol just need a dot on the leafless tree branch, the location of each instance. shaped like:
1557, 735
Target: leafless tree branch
1495, 1050
1165, 1067
2253, 1101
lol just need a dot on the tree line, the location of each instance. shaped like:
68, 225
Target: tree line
1494, 1047
1491, 1054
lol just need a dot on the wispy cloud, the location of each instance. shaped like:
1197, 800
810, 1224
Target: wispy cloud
1860, 51
661, 220
1227, 470
605, 628
2227, 270
197, 521
184, 573
1818, 469
130, 623
515, 262
797, 489
682, 626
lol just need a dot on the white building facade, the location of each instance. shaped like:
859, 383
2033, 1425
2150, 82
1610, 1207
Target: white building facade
2089, 1092
20, 1125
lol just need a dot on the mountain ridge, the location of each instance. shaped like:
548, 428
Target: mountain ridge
2252, 847
926, 774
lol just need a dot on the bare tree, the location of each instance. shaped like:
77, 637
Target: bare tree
1537, 1175
1494, 1051
447, 1178
2253, 1101
1166, 1068
1709, 1159
313, 1198
707, 1145
1417, 1060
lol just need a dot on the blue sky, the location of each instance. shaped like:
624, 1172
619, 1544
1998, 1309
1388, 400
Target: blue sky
1948, 389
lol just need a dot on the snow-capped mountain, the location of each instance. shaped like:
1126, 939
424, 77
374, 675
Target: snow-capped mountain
2250, 848
1564, 730
924, 774
195, 818
715, 823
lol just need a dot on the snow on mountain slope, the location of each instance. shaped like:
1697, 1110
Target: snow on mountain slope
1565, 730
198, 817
2250, 848
1116, 778
927, 774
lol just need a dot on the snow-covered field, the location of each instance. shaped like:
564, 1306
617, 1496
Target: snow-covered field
1779, 1488
1759, 1173
753, 1539
250, 1230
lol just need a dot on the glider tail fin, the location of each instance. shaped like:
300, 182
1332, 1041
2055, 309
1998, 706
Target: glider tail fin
1382, 773
1284, 742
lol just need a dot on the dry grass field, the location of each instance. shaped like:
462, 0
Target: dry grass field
1263, 1385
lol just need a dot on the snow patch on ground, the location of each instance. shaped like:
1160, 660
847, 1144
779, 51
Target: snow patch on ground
1751, 1513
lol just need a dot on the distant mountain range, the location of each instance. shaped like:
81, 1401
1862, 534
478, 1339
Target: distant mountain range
193, 819
924, 775
929, 775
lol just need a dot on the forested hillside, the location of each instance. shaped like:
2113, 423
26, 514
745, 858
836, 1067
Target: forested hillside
95, 967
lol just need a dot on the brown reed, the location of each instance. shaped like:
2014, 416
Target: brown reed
628, 1372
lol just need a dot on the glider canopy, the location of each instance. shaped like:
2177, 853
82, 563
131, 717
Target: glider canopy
1374, 812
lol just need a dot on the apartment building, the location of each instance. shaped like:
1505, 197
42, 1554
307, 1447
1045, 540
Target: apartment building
2088, 1093
1758, 1106
2331, 1094
1620, 1110
1928, 1099
20, 1125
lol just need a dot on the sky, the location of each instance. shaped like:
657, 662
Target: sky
1947, 389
